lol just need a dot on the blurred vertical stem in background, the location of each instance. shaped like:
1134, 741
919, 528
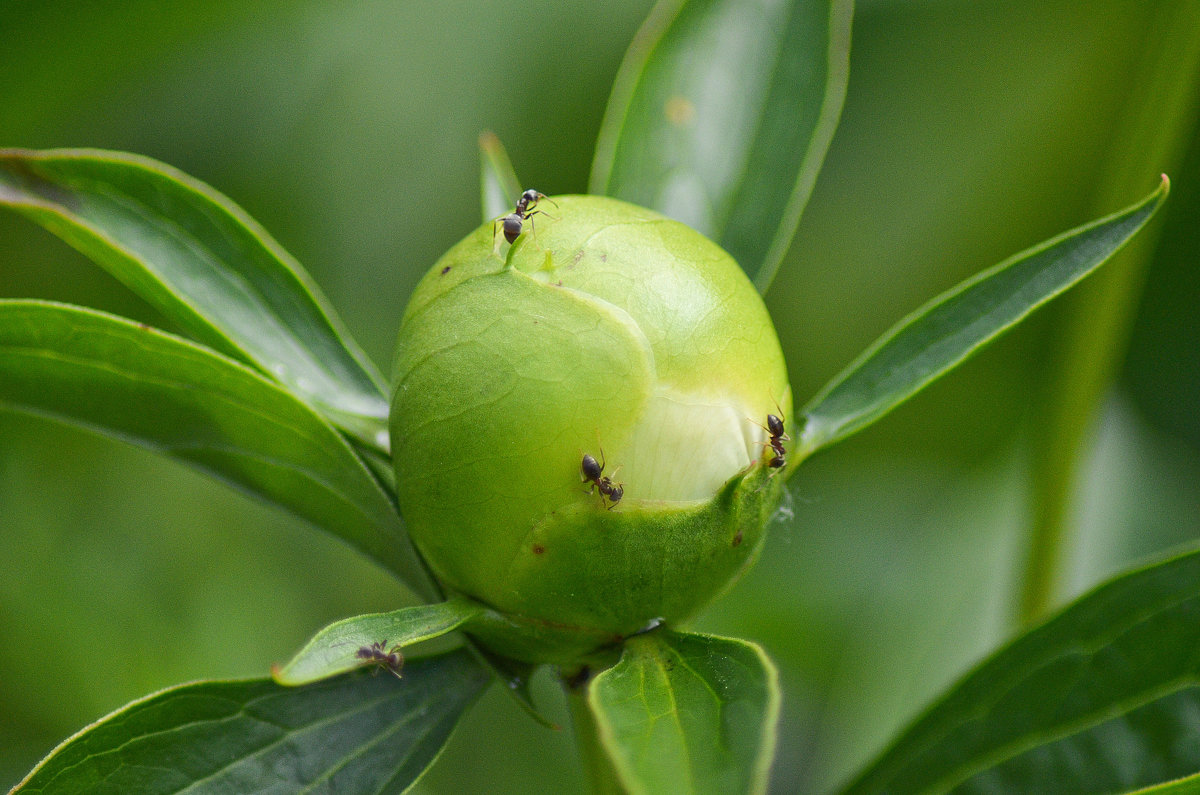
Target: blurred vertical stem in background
1151, 134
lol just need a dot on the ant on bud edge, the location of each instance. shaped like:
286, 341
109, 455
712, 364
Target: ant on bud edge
513, 224
593, 473
382, 657
774, 427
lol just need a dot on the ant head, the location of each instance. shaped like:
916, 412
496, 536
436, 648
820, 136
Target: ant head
617, 492
591, 469
531, 196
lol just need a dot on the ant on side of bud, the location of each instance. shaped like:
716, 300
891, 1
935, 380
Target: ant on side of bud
593, 473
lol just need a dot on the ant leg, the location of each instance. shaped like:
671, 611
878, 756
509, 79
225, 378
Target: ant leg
532, 228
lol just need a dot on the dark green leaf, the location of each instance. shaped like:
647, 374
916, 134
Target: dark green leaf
947, 330
352, 734
335, 649
687, 713
721, 115
201, 261
1101, 698
178, 398
498, 184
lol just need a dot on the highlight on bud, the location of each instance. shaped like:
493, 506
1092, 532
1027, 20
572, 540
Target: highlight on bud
580, 425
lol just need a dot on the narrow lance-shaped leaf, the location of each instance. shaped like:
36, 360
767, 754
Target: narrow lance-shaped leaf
1101, 698
947, 330
721, 115
201, 261
1189, 785
372, 639
498, 184
688, 714
152, 389
515, 676
352, 734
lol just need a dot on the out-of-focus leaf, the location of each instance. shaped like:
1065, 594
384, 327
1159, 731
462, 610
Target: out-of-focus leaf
336, 648
721, 115
351, 734
1184, 786
686, 713
175, 397
516, 677
498, 183
201, 261
947, 330
1101, 698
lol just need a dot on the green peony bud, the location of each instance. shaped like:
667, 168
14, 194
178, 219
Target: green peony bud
606, 330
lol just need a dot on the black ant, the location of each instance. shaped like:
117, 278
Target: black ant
379, 655
513, 223
774, 427
592, 472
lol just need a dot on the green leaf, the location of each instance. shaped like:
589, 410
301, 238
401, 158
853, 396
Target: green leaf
175, 397
721, 115
498, 183
201, 261
352, 734
335, 649
1101, 698
947, 330
1183, 786
688, 713
517, 678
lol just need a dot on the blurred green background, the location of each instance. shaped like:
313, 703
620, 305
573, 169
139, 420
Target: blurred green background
971, 130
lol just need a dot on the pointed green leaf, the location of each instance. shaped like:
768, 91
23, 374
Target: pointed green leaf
1183, 786
1101, 698
352, 734
336, 648
152, 389
498, 184
516, 676
721, 115
201, 261
686, 713
947, 330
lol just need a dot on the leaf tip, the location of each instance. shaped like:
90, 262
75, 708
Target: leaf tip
489, 141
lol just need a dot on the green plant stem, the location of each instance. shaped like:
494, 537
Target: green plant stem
596, 764
1149, 137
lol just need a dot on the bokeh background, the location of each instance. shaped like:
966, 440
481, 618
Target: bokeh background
971, 130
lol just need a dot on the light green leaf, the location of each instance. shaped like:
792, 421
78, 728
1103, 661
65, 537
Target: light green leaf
721, 115
201, 261
498, 183
175, 397
686, 713
347, 644
352, 734
1101, 698
1183, 786
947, 330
